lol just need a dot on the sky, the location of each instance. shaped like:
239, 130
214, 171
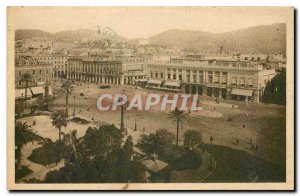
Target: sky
141, 22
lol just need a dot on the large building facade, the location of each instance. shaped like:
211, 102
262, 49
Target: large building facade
41, 73
102, 71
59, 62
228, 79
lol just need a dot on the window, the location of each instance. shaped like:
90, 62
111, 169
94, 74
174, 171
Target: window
180, 77
20, 73
234, 80
174, 76
210, 78
33, 72
156, 75
40, 71
224, 78
194, 78
161, 75
217, 77
169, 76
242, 81
201, 76
250, 81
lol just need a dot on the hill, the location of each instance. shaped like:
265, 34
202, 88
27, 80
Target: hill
258, 39
31, 33
72, 35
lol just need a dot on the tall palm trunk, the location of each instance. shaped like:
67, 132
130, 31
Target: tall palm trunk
19, 156
26, 86
67, 104
177, 132
59, 133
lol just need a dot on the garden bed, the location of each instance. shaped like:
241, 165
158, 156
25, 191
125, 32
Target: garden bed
49, 153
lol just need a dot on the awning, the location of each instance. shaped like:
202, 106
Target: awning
37, 90
154, 82
20, 93
141, 80
243, 92
176, 84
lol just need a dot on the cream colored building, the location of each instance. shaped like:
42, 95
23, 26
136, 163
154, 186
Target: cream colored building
41, 73
103, 71
228, 79
59, 62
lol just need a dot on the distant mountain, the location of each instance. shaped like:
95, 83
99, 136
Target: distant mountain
72, 35
31, 33
259, 39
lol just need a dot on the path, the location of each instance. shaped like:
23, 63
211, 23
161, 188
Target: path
195, 175
38, 171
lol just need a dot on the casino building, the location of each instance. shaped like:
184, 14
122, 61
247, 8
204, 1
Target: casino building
228, 78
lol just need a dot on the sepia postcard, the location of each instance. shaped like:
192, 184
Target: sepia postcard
150, 98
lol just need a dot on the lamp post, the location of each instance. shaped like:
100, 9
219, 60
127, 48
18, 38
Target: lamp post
210, 160
135, 128
122, 116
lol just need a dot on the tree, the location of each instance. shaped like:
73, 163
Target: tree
103, 160
44, 102
67, 89
23, 135
177, 116
26, 77
71, 143
59, 120
192, 138
275, 90
160, 142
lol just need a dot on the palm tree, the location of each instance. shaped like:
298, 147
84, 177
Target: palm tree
177, 115
67, 88
26, 77
59, 120
23, 135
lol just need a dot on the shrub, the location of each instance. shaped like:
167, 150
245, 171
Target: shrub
24, 171
47, 154
79, 120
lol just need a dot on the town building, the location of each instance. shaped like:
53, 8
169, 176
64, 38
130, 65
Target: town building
228, 79
41, 73
58, 61
100, 70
